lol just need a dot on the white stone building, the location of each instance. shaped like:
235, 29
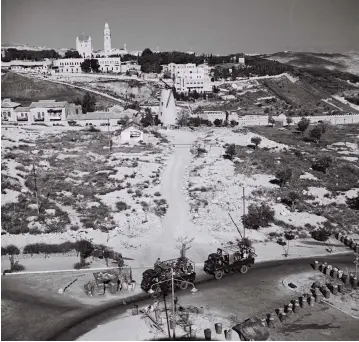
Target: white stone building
49, 110
189, 77
8, 113
84, 46
42, 67
132, 133
73, 65
23, 115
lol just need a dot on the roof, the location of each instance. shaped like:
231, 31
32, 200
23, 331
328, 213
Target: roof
7, 103
83, 38
22, 109
48, 104
96, 116
26, 63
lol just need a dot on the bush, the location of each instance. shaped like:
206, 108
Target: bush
321, 234
322, 164
231, 151
303, 124
16, 267
258, 216
37, 248
218, 122
138, 193
316, 133
79, 265
157, 194
256, 141
353, 203
121, 206
284, 176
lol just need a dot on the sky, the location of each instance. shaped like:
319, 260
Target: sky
203, 26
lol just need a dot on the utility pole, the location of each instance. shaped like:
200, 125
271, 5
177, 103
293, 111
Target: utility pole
109, 135
35, 187
244, 212
168, 324
173, 307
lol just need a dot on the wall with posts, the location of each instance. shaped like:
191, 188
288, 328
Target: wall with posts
333, 119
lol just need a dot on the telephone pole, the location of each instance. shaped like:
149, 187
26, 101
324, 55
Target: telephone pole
244, 212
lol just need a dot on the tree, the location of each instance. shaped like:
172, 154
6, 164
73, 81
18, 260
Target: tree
258, 216
123, 121
88, 103
147, 119
316, 133
72, 54
303, 124
283, 176
271, 120
183, 117
86, 66
288, 236
256, 141
289, 120
78, 101
85, 248
322, 235
184, 245
95, 66
231, 150
322, 164
217, 122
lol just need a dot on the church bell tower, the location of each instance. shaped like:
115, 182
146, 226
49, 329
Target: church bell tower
107, 39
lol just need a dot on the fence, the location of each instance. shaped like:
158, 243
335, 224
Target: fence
344, 119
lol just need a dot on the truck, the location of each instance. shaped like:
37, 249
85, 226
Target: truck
233, 258
159, 279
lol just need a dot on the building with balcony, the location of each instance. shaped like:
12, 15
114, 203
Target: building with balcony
189, 77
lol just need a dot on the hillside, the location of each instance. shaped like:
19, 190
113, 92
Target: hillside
26, 90
346, 62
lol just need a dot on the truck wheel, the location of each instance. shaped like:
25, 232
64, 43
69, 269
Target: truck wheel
218, 275
243, 269
183, 286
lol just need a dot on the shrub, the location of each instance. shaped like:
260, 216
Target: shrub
271, 120
79, 265
138, 193
217, 122
37, 248
16, 267
258, 216
321, 234
303, 124
353, 203
256, 141
231, 151
157, 194
289, 120
322, 164
291, 199
284, 176
316, 133
121, 206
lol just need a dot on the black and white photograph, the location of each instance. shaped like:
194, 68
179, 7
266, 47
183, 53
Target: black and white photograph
179, 170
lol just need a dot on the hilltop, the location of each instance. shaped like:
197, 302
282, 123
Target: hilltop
346, 62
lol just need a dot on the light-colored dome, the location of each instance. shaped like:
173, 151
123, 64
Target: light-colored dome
282, 117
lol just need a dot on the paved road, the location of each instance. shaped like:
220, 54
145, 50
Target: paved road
236, 294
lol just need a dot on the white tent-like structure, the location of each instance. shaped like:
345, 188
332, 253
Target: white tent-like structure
168, 111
